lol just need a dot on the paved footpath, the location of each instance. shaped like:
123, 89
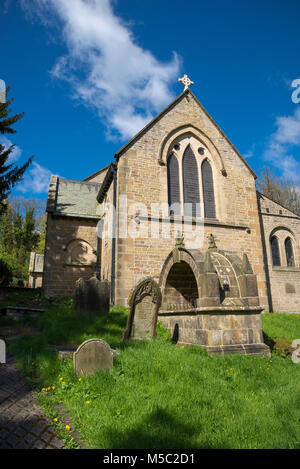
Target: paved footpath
22, 422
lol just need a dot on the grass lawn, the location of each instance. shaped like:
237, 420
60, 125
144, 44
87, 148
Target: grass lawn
162, 396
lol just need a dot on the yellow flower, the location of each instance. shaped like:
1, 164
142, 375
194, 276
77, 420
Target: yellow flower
53, 387
79, 379
67, 427
55, 420
63, 382
87, 402
61, 379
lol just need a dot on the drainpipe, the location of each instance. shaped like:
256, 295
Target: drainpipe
98, 258
113, 254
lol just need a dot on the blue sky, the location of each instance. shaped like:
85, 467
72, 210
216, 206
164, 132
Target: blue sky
89, 74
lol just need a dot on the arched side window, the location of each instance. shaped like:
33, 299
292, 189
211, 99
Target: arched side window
289, 252
275, 252
173, 185
208, 190
191, 194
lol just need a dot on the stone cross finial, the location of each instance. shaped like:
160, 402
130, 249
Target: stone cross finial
186, 81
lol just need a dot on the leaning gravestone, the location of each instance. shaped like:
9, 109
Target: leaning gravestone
92, 296
91, 356
144, 302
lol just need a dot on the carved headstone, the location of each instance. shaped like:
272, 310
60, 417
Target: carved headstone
91, 356
92, 296
144, 302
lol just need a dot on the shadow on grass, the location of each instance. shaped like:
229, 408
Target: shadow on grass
31, 354
159, 430
269, 341
66, 327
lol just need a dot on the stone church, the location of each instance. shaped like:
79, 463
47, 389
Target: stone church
249, 256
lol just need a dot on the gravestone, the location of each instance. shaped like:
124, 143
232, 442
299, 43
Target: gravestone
2, 351
92, 296
91, 356
144, 302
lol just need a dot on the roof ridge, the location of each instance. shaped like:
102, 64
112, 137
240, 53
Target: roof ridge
80, 182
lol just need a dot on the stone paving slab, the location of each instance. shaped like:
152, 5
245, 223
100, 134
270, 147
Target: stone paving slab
23, 424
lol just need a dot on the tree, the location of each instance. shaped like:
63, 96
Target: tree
280, 190
39, 212
18, 237
10, 174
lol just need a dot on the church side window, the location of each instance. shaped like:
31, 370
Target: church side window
173, 185
275, 252
190, 175
289, 252
208, 190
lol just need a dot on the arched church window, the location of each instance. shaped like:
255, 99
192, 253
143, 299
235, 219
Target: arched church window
289, 252
208, 190
173, 185
190, 183
275, 252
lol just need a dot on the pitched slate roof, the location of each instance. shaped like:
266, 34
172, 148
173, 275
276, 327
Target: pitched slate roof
70, 198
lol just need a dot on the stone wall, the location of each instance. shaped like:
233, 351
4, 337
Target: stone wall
283, 281
35, 280
36, 269
70, 253
142, 176
219, 333
107, 241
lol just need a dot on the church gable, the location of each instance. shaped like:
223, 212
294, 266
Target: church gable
224, 181
185, 115
268, 206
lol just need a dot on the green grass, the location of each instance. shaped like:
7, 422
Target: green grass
162, 396
282, 326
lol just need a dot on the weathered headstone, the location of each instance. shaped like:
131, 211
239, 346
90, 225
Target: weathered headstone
2, 351
144, 302
92, 296
91, 356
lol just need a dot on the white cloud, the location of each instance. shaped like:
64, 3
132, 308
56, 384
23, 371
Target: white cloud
16, 152
282, 145
288, 129
250, 152
36, 179
106, 67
